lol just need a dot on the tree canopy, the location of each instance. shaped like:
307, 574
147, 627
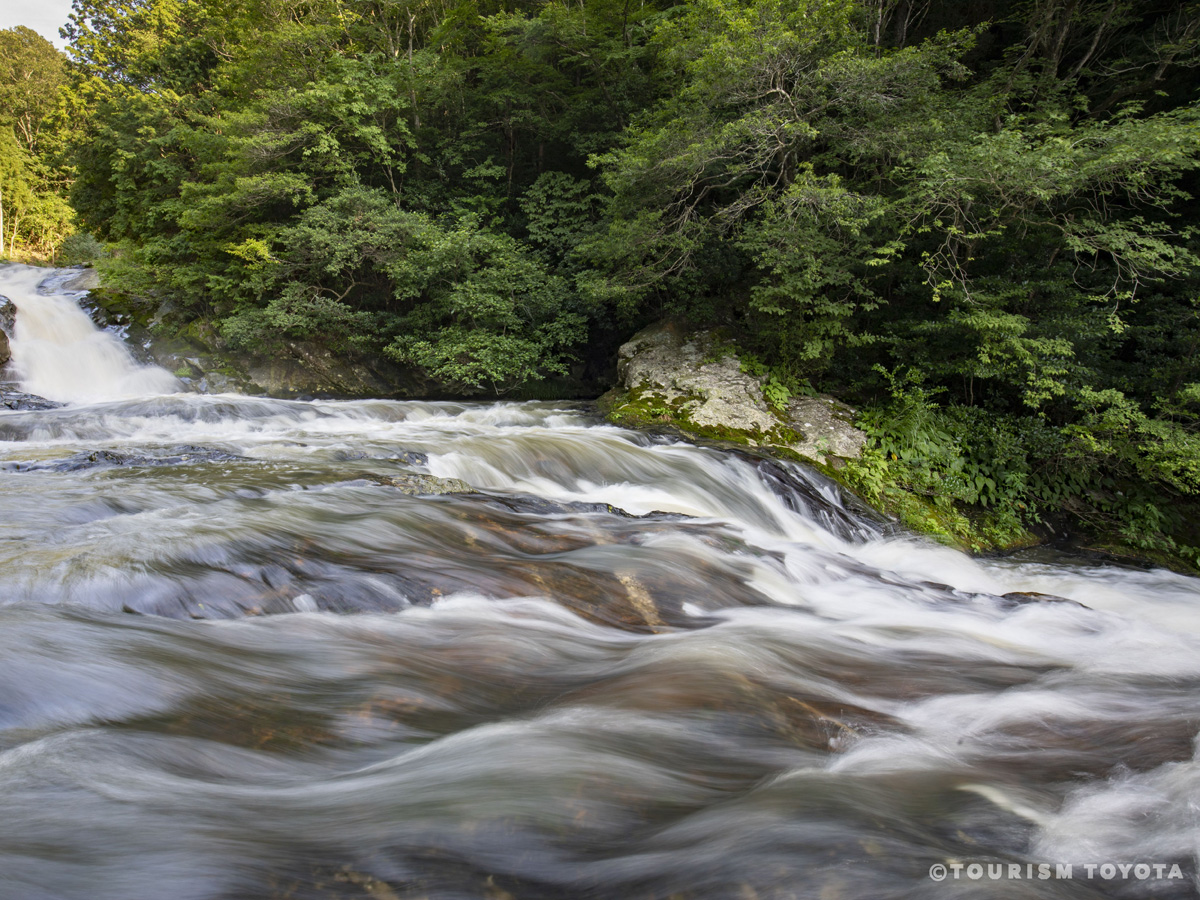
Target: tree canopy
34, 216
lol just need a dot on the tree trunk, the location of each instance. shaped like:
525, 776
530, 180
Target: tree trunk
412, 79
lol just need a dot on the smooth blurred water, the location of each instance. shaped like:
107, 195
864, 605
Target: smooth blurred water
237, 662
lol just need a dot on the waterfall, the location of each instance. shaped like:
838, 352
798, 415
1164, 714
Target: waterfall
58, 352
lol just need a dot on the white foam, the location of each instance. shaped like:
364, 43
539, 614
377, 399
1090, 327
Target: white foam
59, 354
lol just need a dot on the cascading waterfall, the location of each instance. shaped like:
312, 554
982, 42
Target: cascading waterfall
240, 658
59, 354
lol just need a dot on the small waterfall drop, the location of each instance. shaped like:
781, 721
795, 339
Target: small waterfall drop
58, 353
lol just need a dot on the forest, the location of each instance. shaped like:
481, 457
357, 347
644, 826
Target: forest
976, 221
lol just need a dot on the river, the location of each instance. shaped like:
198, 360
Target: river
240, 659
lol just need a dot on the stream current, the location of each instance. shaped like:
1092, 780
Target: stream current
240, 659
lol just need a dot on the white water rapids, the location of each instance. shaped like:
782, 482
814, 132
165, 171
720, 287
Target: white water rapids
238, 661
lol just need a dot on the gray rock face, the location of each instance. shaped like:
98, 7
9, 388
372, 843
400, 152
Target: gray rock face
704, 386
826, 424
308, 368
86, 280
715, 393
8, 316
21, 401
184, 454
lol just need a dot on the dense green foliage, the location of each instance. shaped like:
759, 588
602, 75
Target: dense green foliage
403, 178
34, 215
976, 219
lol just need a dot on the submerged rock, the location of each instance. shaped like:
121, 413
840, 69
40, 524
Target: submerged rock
600, 563
1022, 598
93, 459
19, 400
527, 504
690, 381
417, 485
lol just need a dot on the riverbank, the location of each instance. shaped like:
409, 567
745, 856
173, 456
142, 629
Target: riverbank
693, 384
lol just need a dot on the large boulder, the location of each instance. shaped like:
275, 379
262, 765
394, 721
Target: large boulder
684, 372
693, 382
85, 280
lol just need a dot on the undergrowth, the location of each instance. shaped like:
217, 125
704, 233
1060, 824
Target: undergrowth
976, 478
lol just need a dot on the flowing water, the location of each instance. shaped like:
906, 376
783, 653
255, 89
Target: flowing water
238, 659
59, 354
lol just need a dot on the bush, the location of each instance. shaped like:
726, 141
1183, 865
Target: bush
79, 249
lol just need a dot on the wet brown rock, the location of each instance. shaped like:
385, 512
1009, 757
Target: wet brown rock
640, 599
379, 890
803, 720
270, 723
596, 596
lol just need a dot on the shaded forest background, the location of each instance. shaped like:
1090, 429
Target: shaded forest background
974, 218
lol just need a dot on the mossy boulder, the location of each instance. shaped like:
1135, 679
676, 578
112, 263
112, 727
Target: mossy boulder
693, 382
